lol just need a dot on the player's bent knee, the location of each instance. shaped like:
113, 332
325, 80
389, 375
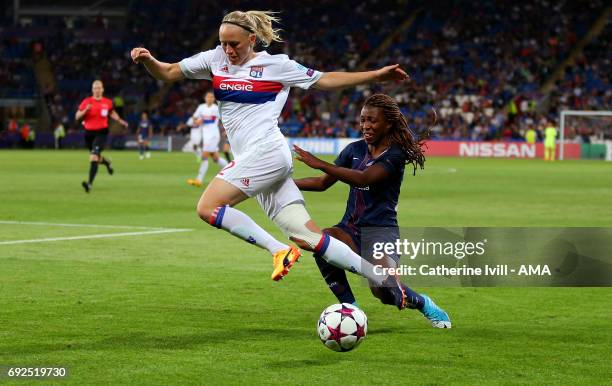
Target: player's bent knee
296, 223
205, 210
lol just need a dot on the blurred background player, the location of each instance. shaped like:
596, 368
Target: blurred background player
550, 140
374, 169
531, 135
94, 112
206, 117
195, 136
224, 144
145, 132
58, 135
251, 100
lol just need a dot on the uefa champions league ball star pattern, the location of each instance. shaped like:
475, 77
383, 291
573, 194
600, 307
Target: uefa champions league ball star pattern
342, 327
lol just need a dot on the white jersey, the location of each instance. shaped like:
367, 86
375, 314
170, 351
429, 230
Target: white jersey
251, 97
209, 116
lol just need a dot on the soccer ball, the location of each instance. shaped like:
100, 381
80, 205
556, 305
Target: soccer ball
342, 327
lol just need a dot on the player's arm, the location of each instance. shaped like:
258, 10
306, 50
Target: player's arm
80, 114
361, 178
117, 118
339, 80
167, 72
315, 184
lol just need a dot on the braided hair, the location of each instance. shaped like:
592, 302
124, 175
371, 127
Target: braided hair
400, 133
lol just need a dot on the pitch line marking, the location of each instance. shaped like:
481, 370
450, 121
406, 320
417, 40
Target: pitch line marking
82, 225
99, 236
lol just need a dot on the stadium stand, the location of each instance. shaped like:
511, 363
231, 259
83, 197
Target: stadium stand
483, 66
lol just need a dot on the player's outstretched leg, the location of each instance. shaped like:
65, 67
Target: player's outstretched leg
296, 223
93, 171
336, 281
335, 277
201, 172
436, 315
215, 207
106, 162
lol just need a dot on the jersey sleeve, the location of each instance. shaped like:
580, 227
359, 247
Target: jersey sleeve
198, 112
296, 75
83, 104
344, 159
394, 161
198, 66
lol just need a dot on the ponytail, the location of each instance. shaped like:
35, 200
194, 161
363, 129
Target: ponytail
257, 22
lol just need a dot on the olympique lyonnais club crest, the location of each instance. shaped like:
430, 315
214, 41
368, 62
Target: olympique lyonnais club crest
256, 71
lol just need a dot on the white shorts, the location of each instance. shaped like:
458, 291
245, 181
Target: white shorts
211, 140
196, 137
265, 173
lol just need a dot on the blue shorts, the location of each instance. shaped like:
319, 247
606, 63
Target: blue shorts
367, 238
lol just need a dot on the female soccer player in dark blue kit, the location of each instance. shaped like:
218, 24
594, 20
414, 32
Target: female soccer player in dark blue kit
374, 169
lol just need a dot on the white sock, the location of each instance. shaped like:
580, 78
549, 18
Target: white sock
221, 162
342, 256
203, 169
242, 226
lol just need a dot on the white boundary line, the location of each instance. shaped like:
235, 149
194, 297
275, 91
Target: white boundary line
78, 225
100, 236
146, 231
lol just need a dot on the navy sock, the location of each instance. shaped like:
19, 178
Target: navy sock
93, 170
336, 281
414, 299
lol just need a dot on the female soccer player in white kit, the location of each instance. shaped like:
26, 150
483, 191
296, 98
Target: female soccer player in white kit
252, 88
206, 117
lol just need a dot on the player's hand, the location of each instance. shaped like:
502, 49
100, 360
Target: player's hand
140, 55
124, 123
308, 158
88, 107
393, 72
199, 121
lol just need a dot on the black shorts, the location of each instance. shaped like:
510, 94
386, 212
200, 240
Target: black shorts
96, 140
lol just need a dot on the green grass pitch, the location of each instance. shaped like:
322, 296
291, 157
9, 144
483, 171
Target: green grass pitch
198, 307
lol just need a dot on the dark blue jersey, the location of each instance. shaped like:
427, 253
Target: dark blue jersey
374, 205
143, 128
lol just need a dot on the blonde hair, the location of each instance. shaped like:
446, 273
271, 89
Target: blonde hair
257, 22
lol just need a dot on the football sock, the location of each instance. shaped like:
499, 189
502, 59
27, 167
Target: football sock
221, 162
336, 281
141, 149
227, 156
414, 299
242, 226
203, 169
341, 255
93, 170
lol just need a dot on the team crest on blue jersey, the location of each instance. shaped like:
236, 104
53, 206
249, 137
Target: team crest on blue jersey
256, 71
